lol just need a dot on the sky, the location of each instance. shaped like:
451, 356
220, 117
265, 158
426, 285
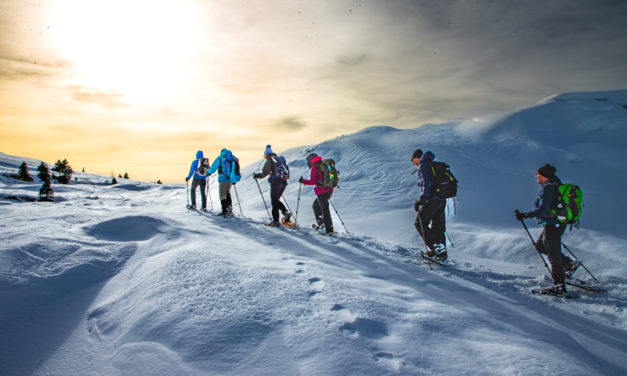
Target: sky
139, 86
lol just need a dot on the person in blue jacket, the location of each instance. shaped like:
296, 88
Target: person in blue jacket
227, 166
199, 172
550, 240
431, 217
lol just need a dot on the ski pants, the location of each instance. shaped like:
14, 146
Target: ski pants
203, 191
224, 189
277, 188
321, 211
431, 222
550, 243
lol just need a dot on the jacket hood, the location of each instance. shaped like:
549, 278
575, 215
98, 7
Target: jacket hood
316, 160
199, 154
225, 153
427, 156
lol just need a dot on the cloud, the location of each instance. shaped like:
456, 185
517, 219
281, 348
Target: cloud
292, 123
108, 99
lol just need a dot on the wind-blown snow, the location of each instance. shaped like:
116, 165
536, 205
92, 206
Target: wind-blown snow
122, 280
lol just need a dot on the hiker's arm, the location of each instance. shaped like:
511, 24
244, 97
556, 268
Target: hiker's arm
548, 194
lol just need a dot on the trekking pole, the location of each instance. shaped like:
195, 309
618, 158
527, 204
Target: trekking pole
288, 207
298, 203
338, 215
536, 248
264, 200
449, 239
187, 192
238, 202
586, 269
209, 193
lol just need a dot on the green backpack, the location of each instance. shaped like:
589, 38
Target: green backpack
569, 204
330, 176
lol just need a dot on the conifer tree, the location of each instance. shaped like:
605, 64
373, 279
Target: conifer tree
126, 175
45, 192
43, 172
23, 173
113, 181
65, 171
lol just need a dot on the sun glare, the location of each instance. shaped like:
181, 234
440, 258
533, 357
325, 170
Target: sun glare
141, 49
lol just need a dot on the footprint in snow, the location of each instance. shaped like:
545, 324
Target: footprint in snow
337, 307
314, 280
366, 328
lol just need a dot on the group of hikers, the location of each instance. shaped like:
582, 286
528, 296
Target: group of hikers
277, 171
436, 184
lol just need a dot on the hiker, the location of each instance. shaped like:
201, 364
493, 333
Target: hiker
227, 166
279, 173
198, 170
323, 195
431, 217
550, 240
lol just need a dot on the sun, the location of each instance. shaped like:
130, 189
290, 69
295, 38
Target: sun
141, 49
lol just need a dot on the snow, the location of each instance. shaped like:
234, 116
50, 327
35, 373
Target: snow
122, 280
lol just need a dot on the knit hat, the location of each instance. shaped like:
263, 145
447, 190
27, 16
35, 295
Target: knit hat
310, 158
547, 171
268, 150
416, 154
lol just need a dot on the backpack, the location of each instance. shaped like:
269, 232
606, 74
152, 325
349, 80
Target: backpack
444, 182
229, 167
202, 166
330, 176
569, 204
281, 170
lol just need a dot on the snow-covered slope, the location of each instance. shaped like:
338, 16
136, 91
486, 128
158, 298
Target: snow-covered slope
122, 280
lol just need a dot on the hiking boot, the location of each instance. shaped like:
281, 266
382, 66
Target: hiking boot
287, 216
430, 253
440, 252
273, 224
318, 227
555, 290
203, 209
570, 269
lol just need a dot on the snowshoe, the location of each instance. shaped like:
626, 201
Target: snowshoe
432, 257
273, 224
191, 207
555, 290
287, 223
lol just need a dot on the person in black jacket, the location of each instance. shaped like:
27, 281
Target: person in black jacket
431, 216
550, 240
277, 187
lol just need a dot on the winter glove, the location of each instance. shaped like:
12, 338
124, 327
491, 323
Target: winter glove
256, 176
520, 216
187, 179
417, 205
300, 180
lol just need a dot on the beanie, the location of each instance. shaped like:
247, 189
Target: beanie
268, 150
416, 154
547, 171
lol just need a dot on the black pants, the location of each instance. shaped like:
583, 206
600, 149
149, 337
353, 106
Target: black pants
227, 204
550, 243
431, 222
203, 195
277, 188
321, 211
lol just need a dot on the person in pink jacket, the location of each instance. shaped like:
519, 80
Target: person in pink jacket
323, 195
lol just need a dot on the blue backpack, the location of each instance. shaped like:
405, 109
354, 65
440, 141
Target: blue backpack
230, 167
281, 169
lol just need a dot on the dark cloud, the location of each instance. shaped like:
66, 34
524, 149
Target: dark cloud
292, 123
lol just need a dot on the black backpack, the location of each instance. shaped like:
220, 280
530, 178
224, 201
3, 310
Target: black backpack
281, 169
444, 182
